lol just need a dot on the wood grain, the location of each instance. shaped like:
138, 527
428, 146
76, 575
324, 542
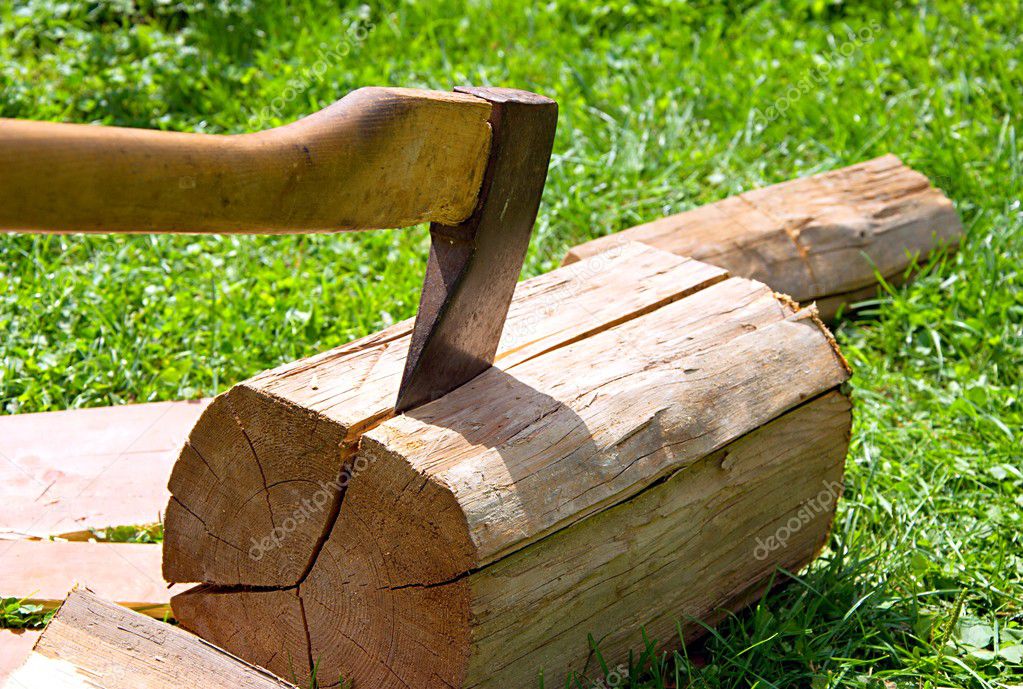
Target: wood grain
67, 472
532, 450
685, 550
92, 642
378, 158
629, 471
821, 238
265, 458
43, 572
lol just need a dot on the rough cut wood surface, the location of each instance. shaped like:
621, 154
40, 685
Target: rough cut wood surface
686, 549
92, 642
621, 478
379, 157
44, 571
257, 484
819, 238
64, 473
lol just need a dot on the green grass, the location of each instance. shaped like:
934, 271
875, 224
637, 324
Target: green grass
19, 614
920, 584
151, 533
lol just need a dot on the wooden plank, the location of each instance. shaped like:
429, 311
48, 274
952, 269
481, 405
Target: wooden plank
43, 572
820, 238
92, 642
378, 158
64, 473
416, 583
15, 647
267, 456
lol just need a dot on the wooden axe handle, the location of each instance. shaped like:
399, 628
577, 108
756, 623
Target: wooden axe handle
378, 158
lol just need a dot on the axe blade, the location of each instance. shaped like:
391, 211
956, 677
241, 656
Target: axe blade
474, 266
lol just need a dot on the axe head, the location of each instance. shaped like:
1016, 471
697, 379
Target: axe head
474, 266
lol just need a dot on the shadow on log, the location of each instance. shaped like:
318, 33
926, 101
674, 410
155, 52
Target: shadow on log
634, 457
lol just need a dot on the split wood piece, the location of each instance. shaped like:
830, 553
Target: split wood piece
42, 572
92, 642
259, 481
65, 473
623, 480
15, 647
821, 238
378, 158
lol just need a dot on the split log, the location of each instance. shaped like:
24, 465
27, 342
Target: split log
42, 572
641, 455
92, 642
69, 472
259, 482
822, 238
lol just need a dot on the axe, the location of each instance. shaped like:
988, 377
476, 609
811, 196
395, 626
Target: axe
472, 163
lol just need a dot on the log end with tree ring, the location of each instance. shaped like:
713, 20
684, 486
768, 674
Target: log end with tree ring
254, 490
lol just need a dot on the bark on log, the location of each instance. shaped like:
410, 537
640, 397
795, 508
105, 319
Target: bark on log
631, 460
822, 238
92, 642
